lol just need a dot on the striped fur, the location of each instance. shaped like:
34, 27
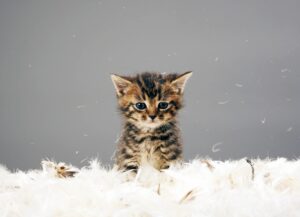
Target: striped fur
150, 135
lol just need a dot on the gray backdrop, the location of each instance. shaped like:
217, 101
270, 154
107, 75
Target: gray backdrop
56, 56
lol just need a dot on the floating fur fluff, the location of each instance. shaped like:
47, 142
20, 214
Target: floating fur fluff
199, 188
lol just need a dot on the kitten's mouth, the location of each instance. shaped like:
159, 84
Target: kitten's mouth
151, 124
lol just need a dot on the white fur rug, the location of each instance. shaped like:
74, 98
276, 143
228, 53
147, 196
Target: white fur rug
199, 188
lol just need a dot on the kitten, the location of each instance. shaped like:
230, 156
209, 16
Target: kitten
149, 103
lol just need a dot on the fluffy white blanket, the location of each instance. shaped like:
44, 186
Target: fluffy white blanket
200, 188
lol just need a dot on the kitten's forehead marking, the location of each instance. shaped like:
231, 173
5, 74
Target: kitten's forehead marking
150, 85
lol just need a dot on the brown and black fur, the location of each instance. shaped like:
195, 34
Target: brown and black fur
150, 136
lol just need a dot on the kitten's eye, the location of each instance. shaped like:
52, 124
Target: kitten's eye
163, 105
140, 105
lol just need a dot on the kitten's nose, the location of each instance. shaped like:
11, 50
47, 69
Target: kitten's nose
152, 116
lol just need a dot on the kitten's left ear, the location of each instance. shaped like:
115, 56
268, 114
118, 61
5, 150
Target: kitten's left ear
181, 80
120, 83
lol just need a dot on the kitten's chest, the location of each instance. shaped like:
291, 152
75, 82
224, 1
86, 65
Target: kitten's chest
150, 152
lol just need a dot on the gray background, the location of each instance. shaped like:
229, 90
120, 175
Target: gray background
56, 56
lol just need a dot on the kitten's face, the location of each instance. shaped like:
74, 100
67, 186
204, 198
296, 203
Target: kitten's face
150, 100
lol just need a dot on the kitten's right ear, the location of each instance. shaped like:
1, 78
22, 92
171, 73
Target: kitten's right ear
181, 80
120, 83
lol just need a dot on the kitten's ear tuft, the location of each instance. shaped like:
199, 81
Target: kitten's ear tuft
181, 80
120, 83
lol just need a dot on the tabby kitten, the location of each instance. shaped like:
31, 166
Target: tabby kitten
149, 103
